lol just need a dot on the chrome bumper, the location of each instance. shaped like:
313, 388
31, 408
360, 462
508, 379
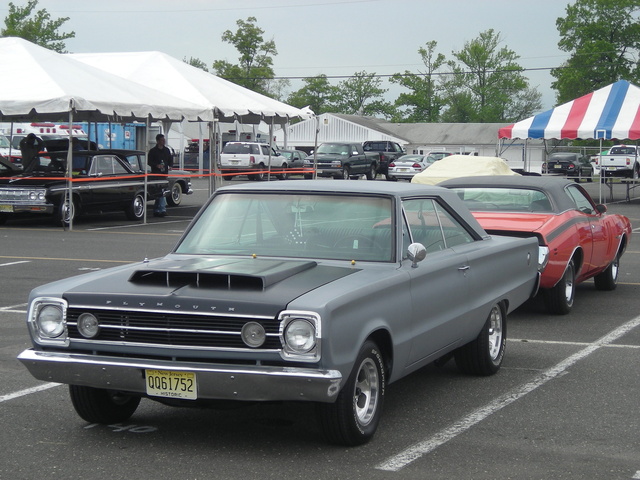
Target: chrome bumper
215, 382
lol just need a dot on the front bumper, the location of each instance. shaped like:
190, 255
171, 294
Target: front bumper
26, 207
215, 382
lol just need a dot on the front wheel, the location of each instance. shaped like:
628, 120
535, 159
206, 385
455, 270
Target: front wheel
559, 299
135, 209
284, 175
484, 355
345, 173
96, 405
354, 417
66, 212
608, 279
175, 198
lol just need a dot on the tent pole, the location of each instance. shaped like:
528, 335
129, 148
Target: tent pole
270, 148
68, 200
212, 180
146, 169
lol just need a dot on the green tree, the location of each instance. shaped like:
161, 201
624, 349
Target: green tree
317, 93
423, 98
36, 27
603, 38
254, 68
196, 62
362, 95
486, 84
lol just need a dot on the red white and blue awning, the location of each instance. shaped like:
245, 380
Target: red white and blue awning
613, 112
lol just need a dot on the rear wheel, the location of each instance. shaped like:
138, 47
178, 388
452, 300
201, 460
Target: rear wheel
484, 355
176, 195
372, 172
354, 417
608, 279
96, 405
135, 209
559, 299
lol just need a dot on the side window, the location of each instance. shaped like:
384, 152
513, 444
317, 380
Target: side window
265, 150
255, 149
118, 168
423, 224
433, 226
581, 202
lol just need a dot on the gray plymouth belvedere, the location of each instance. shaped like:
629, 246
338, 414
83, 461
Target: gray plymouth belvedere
317, 291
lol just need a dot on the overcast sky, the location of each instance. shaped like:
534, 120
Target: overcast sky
334, 37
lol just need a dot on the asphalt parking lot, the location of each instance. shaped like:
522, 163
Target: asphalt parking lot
564, 405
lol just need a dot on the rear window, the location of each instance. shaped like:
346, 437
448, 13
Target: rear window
238, 148
504, 199
622, 151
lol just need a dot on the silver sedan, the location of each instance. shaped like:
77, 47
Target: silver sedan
407, 166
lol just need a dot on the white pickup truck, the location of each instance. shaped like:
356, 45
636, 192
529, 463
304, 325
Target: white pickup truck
621, 161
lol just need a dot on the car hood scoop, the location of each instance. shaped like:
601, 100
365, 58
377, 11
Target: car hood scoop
236, 274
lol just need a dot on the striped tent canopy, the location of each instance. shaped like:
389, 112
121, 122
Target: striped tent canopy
613, 112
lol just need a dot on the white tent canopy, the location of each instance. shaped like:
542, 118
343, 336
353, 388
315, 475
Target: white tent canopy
41, 84
168, 74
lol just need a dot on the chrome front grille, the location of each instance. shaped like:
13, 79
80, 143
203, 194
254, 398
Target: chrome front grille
170, 329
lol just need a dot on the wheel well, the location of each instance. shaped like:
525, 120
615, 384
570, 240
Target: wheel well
577, 257
382, 338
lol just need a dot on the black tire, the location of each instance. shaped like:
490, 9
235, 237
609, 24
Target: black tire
372, 172
607, 280
484, 355
308, 177
354, 417
175, 198
135, 209
284, 175
345, 173
65, 215
259, 177
636, 172
559, 299
96, 405
3, 218
590, 177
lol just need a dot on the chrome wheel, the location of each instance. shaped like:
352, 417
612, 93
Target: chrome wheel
366, 392
495, 332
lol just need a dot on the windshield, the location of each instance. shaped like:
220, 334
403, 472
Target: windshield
334, 149
4, 142
340, 227
504, 200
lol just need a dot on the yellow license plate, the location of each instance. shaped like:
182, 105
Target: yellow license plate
170, 384
6, 208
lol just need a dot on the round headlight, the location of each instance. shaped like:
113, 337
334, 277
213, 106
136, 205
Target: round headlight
300, 336
33, 195
253, 334
88, 325
50, 321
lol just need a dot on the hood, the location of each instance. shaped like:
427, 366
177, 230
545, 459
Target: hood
39, 179
244, 286
512, 222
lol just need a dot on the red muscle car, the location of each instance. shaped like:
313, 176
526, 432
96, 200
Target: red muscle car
583, 241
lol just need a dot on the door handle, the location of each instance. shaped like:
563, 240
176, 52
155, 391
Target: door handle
464, 268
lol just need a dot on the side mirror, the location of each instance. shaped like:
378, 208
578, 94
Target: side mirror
601, 208
416, 253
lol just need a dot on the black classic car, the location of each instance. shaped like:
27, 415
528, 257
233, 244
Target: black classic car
570, 164
102, 182
179, 180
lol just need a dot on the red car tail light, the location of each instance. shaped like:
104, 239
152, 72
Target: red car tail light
252, 159
392, 164
416, 165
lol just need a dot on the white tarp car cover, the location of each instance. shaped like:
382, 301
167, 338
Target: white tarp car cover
455, 166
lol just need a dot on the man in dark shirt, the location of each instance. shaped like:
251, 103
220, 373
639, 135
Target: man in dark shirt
30, 147
160, 159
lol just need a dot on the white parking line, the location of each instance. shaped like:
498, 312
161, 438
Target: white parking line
13, 263
14, 308
28, 391
402, 459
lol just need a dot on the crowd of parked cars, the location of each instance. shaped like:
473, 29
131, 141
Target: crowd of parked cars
322, 292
